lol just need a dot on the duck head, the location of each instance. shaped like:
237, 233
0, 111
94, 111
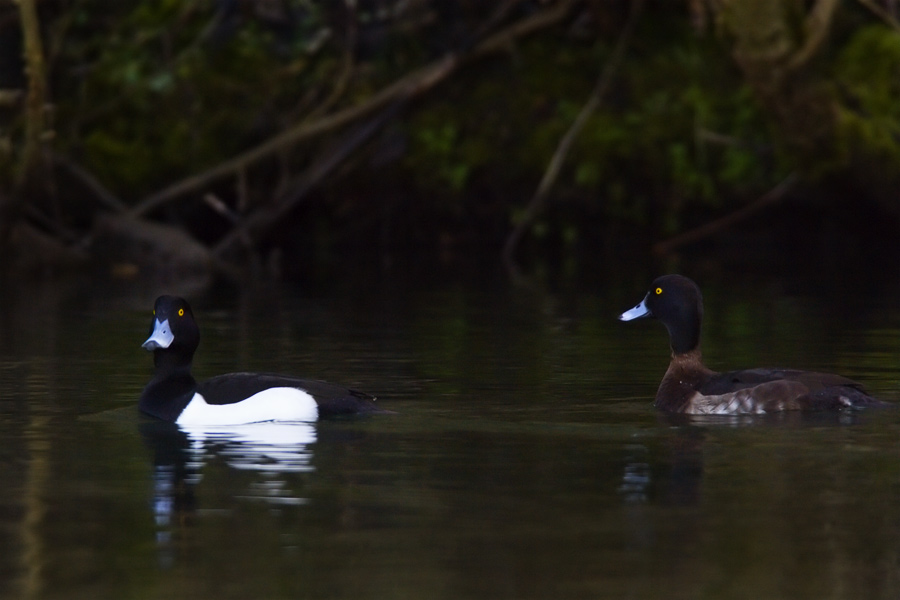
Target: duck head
676, 302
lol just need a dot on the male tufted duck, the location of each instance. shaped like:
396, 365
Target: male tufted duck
689, 387
234, 399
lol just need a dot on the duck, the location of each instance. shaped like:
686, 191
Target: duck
173, 395
689, 387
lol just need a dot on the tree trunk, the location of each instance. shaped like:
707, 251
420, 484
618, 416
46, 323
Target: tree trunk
774, 42
28, 178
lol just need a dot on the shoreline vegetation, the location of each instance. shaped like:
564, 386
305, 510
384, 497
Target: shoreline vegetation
227, 137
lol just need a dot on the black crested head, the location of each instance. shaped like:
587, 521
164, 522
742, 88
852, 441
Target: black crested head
677, 302
174, 335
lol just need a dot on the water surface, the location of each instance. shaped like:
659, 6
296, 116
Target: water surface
524, 458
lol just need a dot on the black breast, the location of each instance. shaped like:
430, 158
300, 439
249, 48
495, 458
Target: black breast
165, 397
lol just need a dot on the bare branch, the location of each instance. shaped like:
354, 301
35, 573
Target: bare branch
774, 195
881, 13
107, 198
413, 84
539, 200
816, 26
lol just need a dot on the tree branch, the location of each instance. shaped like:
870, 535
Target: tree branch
264, 219
881, 13
539, 200
774, 195
103, 195
408, 86
816, 27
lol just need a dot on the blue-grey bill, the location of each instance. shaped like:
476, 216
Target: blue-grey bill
160, 338
637, 312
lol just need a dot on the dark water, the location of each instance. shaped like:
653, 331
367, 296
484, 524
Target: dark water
524, 460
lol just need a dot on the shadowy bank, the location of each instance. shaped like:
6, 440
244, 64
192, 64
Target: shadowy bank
227, 137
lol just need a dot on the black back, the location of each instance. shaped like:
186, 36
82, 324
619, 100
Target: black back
332, 399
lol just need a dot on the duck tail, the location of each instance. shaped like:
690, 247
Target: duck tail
844, 398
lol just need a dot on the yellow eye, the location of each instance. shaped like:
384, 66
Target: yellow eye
180, 312
658, 291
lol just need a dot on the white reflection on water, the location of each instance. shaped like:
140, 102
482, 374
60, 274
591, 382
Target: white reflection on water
273, 447
269, 448
272, 450
636, 478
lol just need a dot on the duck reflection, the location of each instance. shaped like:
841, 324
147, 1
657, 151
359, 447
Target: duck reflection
272, 451
672, 473
636, 477
266, 447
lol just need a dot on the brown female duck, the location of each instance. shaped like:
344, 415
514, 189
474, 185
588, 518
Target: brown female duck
689, 387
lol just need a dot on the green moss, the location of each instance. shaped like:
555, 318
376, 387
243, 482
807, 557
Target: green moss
645, 156
869, 69
868, 76
168, 94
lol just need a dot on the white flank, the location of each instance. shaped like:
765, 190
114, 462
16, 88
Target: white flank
273, 404
734, 403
